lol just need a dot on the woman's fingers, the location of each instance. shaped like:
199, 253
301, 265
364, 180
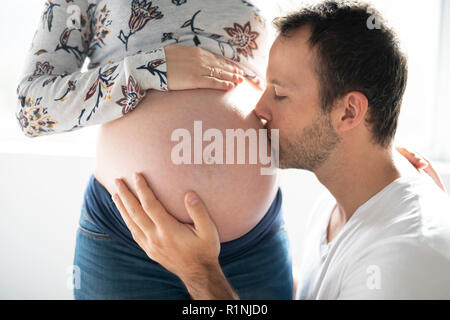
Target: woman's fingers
428, 169
435, 176
220, 74
416, 161
227, 66
224, 69
214, 83
229, 71
228, 76
219, 61
132, 206
422, 164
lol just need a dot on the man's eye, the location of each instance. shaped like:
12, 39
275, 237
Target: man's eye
279, 97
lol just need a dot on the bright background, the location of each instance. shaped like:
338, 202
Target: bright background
43, 179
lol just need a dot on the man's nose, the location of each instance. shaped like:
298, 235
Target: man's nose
262, 111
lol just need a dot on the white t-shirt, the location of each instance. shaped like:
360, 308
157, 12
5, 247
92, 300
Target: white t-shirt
395, 246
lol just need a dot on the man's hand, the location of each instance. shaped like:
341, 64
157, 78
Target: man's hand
422, 165
189, 251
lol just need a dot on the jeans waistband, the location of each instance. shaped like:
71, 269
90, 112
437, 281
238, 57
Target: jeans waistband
102, 210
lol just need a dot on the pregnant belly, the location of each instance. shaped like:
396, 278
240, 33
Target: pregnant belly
237, 195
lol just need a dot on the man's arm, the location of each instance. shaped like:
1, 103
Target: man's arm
210, 284
192, 254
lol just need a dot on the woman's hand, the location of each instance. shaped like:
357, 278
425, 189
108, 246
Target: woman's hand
189, 251
194, 68
422, 165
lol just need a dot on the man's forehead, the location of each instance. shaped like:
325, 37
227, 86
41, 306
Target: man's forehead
288, 58
281, 82
279, 71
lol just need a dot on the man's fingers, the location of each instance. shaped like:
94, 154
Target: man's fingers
199, 214
151, 205
132, 226
132, 206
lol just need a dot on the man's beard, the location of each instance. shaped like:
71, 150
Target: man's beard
310, 148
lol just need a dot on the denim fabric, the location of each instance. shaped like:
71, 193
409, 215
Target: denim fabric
258, 267
103, 212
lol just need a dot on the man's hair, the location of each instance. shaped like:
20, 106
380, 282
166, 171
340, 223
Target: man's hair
355, 51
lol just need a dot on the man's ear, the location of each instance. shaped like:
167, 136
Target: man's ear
351, 111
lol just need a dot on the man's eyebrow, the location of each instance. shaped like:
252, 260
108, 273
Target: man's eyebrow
276, 82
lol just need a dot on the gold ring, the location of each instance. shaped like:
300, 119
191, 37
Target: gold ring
211, 71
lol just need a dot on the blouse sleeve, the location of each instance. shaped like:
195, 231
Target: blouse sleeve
55, 96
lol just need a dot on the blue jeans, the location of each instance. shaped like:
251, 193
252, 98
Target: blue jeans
110, 269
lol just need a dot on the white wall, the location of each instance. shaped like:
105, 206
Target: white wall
40, 202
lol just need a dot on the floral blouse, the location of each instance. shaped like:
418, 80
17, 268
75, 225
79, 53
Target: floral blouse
124, 42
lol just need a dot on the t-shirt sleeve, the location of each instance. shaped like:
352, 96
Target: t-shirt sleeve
397, 270
55, 96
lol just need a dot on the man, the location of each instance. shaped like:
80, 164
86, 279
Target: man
334, 90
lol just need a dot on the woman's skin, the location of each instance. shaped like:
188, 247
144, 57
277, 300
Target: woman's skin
239, 196
191, 251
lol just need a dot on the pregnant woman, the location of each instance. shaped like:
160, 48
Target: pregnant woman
155, 67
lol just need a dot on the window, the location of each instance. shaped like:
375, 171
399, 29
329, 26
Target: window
441, 147
420, 28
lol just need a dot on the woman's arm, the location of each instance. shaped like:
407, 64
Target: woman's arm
55, 96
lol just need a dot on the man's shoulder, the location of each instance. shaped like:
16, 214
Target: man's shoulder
428, 209
397, 245
422, 191
414, 226
412, 207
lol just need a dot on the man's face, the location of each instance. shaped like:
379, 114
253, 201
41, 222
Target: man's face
291, 103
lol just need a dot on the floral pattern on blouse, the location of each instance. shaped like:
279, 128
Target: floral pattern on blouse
122, 67
141, 12
47, 15
132, 94
243, 38
100, 28
34, 118
42, 68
